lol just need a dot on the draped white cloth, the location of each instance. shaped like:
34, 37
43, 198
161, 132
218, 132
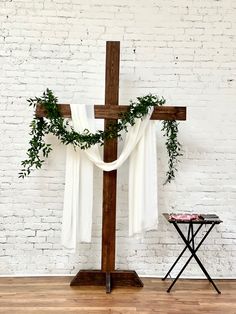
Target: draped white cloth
140, 148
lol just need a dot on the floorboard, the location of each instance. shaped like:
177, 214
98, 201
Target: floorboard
40, 295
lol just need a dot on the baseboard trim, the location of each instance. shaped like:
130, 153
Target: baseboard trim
141, 276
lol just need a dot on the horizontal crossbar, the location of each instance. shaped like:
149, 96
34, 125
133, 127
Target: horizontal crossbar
113, 112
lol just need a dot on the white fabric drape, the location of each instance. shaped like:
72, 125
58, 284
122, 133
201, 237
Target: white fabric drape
140, 146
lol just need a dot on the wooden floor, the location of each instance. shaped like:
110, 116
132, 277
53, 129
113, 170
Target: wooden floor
54, 295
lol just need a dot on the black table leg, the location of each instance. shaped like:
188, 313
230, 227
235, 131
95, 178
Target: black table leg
191, 229
189, 240
193, 255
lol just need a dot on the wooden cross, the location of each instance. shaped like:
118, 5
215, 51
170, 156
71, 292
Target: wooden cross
110, 112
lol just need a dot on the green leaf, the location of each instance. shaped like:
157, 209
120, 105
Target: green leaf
56, 125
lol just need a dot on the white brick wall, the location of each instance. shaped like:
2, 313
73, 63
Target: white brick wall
184, 50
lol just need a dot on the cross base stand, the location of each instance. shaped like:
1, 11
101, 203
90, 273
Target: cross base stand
110, 279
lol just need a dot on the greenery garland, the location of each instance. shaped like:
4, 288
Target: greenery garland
55, 124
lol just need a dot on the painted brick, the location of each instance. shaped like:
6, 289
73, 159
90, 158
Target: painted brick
183, 51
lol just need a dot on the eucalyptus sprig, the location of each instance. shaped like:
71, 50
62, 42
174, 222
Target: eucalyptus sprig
173, 147
55, 124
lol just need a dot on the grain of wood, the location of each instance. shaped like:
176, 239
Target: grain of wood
54, 295
101, 112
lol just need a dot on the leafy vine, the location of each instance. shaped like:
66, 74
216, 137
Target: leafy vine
55, 124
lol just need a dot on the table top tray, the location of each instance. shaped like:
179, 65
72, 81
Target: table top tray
206, 219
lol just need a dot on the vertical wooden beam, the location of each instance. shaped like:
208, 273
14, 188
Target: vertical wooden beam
110, 154
107, 275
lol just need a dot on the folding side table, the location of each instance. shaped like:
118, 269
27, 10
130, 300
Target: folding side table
208, 220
